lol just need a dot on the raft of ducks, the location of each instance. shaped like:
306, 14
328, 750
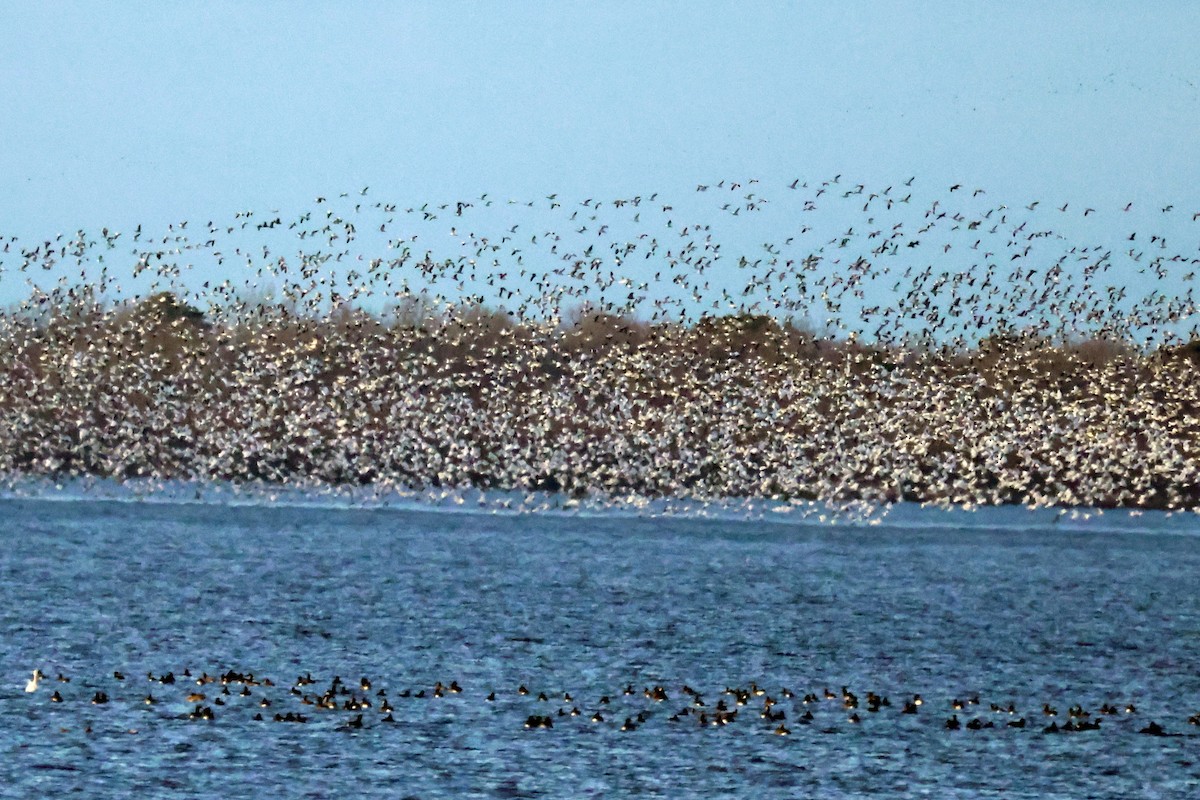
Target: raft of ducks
355, 706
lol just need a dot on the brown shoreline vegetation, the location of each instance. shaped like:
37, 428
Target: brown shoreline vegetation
733, 406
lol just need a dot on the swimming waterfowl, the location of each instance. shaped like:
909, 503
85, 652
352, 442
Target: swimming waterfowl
340, 698
202, 713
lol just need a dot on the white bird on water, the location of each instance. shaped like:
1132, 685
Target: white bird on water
32, 684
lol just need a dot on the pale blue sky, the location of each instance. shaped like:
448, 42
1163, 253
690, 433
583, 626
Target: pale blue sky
124, 113
141, 109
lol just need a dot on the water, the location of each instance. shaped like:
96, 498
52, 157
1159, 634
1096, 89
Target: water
1011, 605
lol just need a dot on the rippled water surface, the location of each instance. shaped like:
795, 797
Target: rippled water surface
1005, 604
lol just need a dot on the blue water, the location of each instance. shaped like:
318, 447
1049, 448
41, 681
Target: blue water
1012, 606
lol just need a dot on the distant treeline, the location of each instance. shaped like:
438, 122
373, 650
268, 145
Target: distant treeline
743, 405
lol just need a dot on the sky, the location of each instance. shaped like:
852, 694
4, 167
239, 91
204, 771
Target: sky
122, 114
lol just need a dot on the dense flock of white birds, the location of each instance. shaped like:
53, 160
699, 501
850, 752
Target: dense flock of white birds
815, 340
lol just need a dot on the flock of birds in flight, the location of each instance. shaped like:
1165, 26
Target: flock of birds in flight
883, 346
350, 706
